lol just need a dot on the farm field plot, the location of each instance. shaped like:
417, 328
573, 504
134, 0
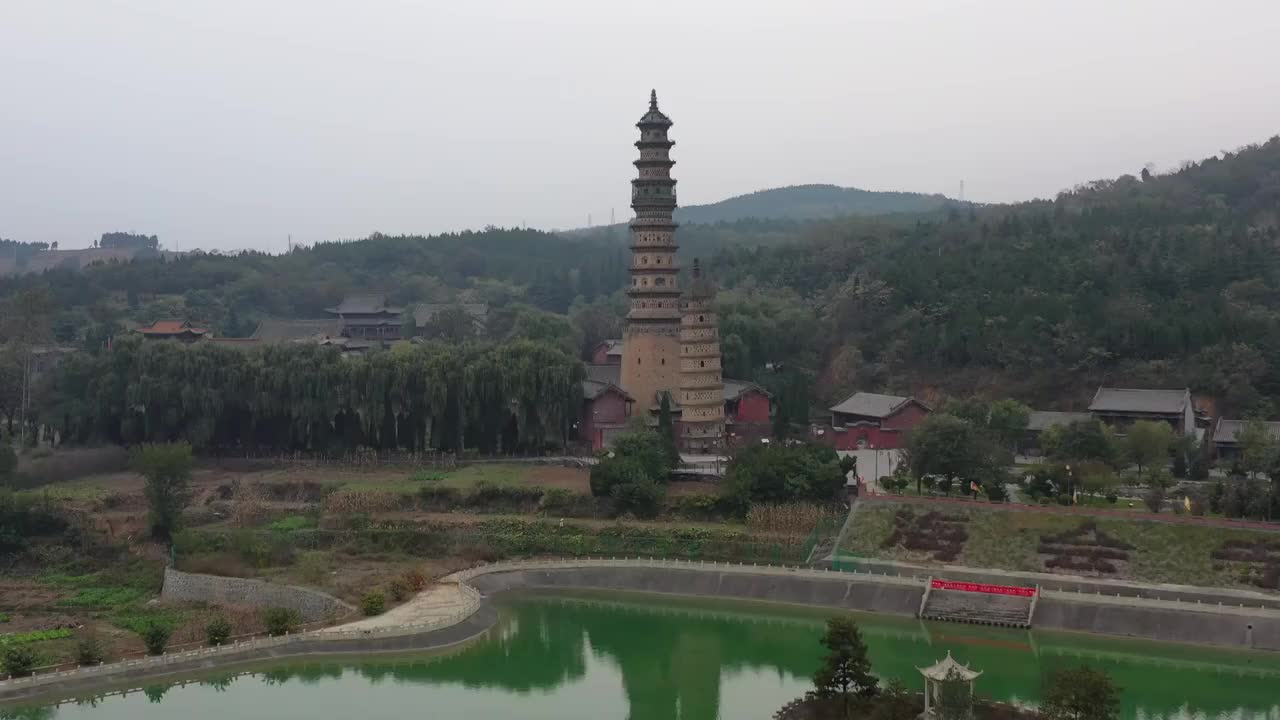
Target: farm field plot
1120, 548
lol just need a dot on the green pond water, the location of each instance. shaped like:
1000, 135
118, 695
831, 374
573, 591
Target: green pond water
597, 656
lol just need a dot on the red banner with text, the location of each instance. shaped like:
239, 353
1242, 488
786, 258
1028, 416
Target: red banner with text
983, 588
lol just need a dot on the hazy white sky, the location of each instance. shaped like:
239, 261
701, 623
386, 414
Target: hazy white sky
231, 123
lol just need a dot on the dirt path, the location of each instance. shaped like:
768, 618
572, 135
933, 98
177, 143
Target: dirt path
435, 603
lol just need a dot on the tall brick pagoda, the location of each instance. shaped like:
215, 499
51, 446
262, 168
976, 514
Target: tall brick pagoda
701, 427
651, 342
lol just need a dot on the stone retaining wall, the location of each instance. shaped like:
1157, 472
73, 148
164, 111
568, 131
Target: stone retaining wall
312, 605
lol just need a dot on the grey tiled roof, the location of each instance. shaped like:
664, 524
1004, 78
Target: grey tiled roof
365, 305
275, 330
1040, 420
1164, 402
870, 405
733, 389
592, 389
1227, 430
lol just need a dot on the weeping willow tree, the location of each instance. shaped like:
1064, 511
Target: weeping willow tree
519, 395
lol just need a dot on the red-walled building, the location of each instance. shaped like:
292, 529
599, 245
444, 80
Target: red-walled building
869, 420
747, 411
605, 412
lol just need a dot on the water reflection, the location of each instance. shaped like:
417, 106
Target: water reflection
674, 659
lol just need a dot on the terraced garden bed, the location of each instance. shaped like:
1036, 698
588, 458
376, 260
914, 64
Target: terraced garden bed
1038, 542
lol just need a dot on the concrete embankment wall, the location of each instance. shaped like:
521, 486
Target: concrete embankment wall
1156, 621
839, 590
312, 605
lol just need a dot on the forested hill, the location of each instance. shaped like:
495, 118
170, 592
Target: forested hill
230, 293
1166, 281
1162, 281
810, 202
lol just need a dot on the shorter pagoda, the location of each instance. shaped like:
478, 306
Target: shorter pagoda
701, 386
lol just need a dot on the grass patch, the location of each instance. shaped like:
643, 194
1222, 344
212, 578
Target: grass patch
113, 588
292, 523
1009, 540
101, 598
33, 637
138, 619
73, 491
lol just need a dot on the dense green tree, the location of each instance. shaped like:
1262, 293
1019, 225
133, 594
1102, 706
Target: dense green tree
597, 321
1148, 442
1080, 694
667, 430
1007, 421
949, 448
634, 471
1259, 448
167, 470
784, 473
155, 636
845, 672
1080, 441
306, 397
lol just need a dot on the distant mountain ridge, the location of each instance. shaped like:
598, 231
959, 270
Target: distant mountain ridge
811, 202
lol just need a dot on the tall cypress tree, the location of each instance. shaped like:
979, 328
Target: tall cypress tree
666, 428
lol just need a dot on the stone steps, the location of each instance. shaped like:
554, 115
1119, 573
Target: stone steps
978, 608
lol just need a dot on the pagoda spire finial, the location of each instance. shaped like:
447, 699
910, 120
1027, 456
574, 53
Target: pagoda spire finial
653, 100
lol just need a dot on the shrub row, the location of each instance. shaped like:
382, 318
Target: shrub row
942, 535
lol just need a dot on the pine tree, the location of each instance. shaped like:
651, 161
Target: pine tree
666, 428
845, 671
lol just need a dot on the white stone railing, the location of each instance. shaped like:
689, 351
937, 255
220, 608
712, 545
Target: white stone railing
463, 576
